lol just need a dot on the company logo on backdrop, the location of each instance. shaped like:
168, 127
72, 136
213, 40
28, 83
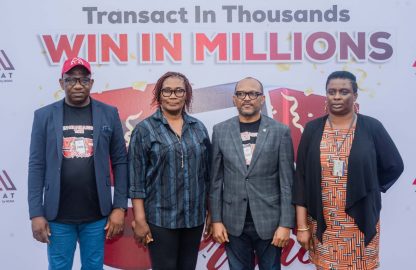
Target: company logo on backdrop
6, 68
7, 188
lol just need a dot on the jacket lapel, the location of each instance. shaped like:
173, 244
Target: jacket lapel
261, 139
238, 144
96, 123
58, 120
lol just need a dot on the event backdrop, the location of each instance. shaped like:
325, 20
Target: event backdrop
291, 46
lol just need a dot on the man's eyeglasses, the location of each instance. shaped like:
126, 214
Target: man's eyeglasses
167, 92
71, 81
251, 95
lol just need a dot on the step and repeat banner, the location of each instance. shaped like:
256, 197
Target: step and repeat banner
291, 46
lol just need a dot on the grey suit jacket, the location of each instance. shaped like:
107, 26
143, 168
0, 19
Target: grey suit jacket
266, 184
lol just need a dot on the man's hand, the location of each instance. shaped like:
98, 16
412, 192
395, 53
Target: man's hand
305, 239
142, 232
281, 237
40, 229
219, 233
115, 223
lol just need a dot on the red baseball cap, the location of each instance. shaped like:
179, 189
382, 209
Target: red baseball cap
73, 62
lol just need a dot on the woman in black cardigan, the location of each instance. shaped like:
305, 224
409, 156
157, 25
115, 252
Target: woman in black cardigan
344, 161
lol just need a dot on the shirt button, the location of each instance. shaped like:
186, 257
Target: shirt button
246, 179
245, 199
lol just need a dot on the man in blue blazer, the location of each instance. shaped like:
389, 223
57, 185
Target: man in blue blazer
69, 187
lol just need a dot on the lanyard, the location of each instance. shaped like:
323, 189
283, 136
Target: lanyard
339, 146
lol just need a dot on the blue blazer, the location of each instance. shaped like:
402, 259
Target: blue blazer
45, 159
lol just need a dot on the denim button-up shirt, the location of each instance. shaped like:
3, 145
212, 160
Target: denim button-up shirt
170, 173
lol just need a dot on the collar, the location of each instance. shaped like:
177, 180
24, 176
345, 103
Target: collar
158, 115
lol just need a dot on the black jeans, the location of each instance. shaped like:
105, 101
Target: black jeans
241, 250
174, 249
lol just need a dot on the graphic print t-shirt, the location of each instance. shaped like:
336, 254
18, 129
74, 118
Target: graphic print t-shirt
78, 199
248, 133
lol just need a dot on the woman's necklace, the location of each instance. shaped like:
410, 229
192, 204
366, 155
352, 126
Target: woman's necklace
339, 165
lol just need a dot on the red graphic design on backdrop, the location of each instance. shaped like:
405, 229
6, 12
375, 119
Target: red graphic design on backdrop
295, 108
291, 107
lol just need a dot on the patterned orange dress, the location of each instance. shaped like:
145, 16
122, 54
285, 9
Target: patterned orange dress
342, 246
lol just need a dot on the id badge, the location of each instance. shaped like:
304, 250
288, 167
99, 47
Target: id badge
338, 169
80, 146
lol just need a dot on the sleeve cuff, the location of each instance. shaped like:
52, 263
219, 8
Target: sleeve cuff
215, 218
36, 213
137, 194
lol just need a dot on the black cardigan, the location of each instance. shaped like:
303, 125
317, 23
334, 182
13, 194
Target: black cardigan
374, 165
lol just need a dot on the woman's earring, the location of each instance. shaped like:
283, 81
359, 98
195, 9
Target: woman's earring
326, 107
356, 107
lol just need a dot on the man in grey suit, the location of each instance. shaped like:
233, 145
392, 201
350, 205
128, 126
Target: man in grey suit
252, 175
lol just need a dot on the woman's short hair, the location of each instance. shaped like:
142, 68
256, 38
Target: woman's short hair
159, 85
343, 75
